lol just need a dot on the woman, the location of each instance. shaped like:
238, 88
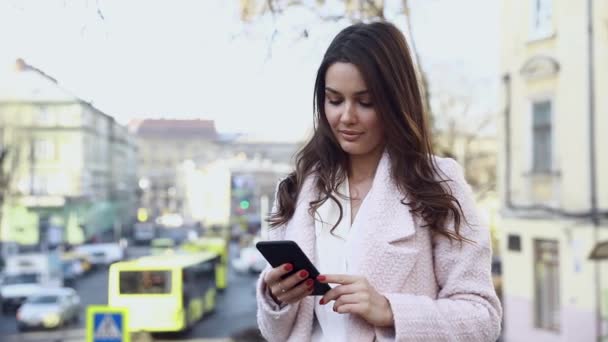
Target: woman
391, 226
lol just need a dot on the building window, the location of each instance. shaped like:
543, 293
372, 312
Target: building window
541, 137
546, 277
44, 117
40, 185
44, 150
542, 12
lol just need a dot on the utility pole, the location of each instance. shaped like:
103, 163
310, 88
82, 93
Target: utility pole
592, 168
32, 158
264, 205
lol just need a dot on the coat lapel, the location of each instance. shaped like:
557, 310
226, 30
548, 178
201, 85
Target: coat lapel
383, 233
383, 247
301, 229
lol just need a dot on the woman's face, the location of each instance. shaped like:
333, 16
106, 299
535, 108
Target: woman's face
351, 112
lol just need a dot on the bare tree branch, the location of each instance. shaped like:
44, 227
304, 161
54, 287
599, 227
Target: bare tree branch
377, 11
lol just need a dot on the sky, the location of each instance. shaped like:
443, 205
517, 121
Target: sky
196, 59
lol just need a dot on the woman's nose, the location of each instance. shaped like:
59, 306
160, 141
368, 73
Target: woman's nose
349, 115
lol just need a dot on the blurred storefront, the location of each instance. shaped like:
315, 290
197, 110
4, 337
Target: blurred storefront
554, 197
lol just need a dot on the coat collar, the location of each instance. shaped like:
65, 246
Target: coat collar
382, 219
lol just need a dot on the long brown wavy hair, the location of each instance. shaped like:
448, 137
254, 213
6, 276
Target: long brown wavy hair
381, 54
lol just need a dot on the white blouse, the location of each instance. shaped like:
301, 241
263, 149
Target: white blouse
330, 256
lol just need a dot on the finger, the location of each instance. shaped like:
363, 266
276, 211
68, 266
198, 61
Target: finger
343, 279
298, 293
274, 275
285, 285
352, 298
338, 291
356, 308
294, 279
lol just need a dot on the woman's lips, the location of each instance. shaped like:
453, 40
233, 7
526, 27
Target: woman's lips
350, 135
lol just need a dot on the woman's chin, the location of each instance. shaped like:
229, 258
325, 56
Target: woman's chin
354, 148
359, 148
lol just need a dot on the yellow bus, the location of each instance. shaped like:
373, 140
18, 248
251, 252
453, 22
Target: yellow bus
164, 293
212, 244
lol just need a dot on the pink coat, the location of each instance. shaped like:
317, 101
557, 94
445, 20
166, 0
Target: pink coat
438, 291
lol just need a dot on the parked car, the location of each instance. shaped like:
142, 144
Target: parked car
102, 254
71, 271
80, 262
250, 259
51, 308
16, 288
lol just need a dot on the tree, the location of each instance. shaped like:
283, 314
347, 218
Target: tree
461, 129
10, 149
7, 167
452, 111
4, 176
350, 10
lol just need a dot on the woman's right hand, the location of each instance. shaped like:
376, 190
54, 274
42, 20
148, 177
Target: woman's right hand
291, 289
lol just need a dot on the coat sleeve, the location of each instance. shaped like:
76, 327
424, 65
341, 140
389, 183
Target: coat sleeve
467, 307
275, 322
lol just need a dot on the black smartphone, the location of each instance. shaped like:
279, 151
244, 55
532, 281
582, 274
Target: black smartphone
280, 252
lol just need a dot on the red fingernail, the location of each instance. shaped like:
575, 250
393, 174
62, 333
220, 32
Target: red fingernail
321, 278
303, 274
309, 282
288, 267
321, 301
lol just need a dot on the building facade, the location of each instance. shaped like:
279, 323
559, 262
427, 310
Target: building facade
68, 156
164, 144
551, 290
187, 168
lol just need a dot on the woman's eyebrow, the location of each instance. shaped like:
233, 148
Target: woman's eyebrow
333, 91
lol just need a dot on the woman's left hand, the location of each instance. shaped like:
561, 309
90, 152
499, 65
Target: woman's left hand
356, 295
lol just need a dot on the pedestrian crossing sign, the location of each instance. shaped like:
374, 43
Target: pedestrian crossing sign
107, 324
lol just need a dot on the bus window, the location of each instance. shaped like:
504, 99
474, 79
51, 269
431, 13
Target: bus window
145, 282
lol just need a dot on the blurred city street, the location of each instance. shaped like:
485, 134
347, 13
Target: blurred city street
235, 311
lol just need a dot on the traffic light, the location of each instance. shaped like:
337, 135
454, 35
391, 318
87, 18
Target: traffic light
142, 214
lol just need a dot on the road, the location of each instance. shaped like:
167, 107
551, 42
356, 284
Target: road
235, 311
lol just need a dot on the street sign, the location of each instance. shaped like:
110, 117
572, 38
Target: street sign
107, 324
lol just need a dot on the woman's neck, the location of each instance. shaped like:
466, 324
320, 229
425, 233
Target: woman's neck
364, 167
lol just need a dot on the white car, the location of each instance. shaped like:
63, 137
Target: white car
51, 308
102, 254
16, 288
249, 260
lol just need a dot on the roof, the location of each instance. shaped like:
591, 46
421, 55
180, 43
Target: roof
27, 83
174, 128
166, 261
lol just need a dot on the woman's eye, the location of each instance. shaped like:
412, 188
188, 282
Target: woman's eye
335, 102
366, 104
